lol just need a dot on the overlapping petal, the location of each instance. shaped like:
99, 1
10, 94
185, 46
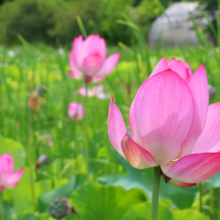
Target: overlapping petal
13, 179
134, 132
188, 68
182, 184
92, 64
161, 66
95, 44
109, 64
116, 127
173, 60
179, 68
137, 156
79, 51
194, 168
74, 72
209, 140
164, 111
199, 87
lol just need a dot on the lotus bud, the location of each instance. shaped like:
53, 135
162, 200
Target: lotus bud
212, 92
41, 90
42, 160
60, 207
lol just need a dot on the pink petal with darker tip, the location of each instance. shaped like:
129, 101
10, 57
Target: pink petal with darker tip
173, 60
161, 66
180, 69
109, 64
12, 180
188, 68
95, 44
194, 168
182, 184
137, 156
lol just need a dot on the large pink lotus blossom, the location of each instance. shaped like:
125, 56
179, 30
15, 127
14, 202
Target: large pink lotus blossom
76, 111
95, 91
8, 178
88, 59
172, 125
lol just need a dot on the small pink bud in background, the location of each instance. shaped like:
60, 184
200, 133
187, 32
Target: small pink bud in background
75, 111
8, 178
95, 91
88, 59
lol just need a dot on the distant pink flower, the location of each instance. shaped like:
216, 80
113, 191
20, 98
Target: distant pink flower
75, 111
88, 59
172, 125
8, 178
95, 91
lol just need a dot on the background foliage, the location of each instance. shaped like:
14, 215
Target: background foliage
54, 21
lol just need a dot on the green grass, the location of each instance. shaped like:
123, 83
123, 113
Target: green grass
33, 64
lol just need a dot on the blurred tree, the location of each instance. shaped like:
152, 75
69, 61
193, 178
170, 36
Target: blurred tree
29, 18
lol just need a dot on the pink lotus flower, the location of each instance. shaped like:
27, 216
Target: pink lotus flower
95, 91
88, 59
8, 178
75, 110
172, 125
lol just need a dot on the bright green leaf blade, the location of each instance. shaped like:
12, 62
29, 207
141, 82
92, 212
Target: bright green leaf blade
188, 214
143, 212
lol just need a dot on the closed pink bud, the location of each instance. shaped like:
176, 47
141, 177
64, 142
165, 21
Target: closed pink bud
75, 110
88, 59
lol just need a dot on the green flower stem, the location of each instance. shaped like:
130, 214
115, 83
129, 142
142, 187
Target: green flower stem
200, 197
155, 196
29, 151
2, 206
86, 133
212, 199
